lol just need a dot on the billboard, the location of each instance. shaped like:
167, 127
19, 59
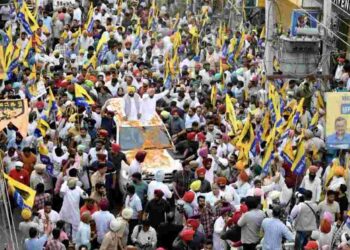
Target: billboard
338, 120
303, 19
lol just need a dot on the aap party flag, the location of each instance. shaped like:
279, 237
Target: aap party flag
22, 194
45, 158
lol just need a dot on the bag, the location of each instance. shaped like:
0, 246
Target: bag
315, 214
139, 227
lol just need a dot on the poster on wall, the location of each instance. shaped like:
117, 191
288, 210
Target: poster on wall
301, 19
338, 120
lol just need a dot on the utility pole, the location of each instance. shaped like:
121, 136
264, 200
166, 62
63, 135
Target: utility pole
327, 16
270, 24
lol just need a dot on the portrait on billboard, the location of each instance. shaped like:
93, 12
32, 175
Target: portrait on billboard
338, 120
303, 19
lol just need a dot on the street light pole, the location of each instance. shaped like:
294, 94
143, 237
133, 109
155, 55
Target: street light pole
270, 23
327, 14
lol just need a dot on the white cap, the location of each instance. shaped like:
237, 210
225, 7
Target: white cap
115, 225
19, 164
73, 56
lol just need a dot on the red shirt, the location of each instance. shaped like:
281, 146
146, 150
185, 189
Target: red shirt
22, 176
84, 208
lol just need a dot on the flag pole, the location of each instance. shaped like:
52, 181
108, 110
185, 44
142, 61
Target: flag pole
4, 193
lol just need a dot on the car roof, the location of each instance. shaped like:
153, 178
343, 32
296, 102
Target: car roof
117, 106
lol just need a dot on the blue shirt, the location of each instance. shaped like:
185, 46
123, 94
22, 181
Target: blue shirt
102, 220
111, 57
47, 21
274, 231
333, 139
36, 243
83, 235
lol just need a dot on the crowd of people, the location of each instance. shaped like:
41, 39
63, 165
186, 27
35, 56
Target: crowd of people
256, 171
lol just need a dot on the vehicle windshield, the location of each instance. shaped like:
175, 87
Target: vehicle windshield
152, 137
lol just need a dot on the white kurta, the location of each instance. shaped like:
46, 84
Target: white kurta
218, 243
148, 105
134, 167
336, 182
153, 185
314, 186
133, 111
70, 211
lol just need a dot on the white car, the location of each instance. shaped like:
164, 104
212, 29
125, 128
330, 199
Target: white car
152, 137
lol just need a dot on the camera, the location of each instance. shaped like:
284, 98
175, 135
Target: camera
180, 206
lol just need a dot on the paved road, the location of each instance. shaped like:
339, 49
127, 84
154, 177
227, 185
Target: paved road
5, 239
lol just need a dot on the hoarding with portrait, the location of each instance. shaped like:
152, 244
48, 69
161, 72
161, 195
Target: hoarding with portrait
338, 120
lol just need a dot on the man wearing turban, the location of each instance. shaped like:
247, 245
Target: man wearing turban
132, 102
148, 103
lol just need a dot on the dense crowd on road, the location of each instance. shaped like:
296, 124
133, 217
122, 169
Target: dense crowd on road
236, 135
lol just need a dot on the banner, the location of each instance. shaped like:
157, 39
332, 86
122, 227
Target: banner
300, 19
338, 120
63, 3
15, 112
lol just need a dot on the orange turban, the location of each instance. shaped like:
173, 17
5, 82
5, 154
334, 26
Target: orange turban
221, 181
243, 176
240, 165
325, 226
339, 171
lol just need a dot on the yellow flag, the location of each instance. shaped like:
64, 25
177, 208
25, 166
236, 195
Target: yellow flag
176, 40
314, 120
265, 125
245, 129
232, 45
104, 39
29, 17
269, 148
299, 163
331, 171
43, 127
230, 111
240, 46
77, 33
283, 90
151, 14
287, 152
32, 75
24, 191
2, 59
177, 18
263, 33
89, 16
218, 39
80, 92
320, 102
276, 64
213, 94
8, 54
9, 32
